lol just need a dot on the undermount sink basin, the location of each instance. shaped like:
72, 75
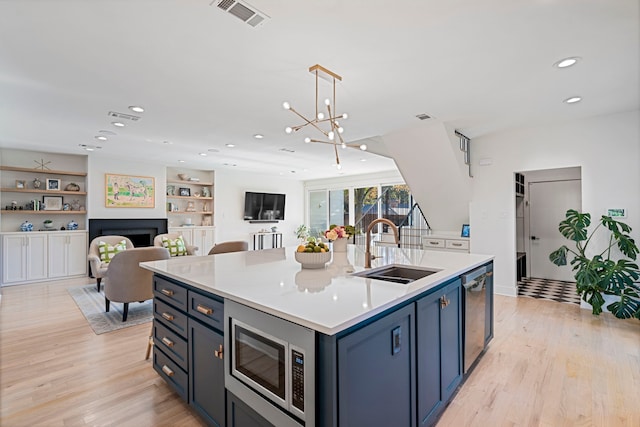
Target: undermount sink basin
396, 273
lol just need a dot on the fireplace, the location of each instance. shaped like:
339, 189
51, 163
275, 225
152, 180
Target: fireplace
140, 231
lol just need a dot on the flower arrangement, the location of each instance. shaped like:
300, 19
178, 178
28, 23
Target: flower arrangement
339, 231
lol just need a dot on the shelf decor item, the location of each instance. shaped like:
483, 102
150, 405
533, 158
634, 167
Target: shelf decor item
601, 275
26, 226
37, 183
20, 183
53, 184
47, 223
52, 203
129, 191
185, 192
72, 186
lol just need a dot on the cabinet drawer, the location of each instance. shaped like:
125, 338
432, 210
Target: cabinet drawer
207, 310
170, 292
432, 243
171, 317
171, 344
458, 244
171, 373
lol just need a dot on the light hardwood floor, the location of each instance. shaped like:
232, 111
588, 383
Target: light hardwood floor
550, 364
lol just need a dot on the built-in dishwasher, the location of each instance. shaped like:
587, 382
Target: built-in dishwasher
474, 300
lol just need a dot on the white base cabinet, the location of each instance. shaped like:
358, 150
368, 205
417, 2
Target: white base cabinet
37, 256
201, 236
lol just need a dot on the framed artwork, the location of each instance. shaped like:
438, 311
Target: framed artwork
617, 213
465, 230
20, 183
52, 203
129, 191
185, 191
53, 184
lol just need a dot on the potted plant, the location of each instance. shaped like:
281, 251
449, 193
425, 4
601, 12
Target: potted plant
600, 274
302, 233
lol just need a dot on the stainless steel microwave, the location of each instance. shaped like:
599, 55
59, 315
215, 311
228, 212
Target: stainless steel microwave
270, 365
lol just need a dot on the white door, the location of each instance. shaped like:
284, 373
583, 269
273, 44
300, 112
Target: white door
14, 258
58, 255
77, 254
548, 203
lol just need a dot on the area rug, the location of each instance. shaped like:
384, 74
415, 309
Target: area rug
91, 303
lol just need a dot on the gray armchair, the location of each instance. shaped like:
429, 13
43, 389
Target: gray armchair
157, 241
99, 268
126, 281
230, 246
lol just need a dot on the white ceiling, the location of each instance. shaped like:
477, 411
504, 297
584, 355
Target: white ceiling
207, 79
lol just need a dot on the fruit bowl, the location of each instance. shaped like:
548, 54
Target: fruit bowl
313, 259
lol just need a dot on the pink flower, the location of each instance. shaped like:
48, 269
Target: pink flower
336, 232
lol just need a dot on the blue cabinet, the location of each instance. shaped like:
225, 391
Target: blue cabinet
206, 387
239, 414
439, 350
376, 372
488, 319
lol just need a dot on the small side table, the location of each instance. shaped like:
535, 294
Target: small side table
258, 239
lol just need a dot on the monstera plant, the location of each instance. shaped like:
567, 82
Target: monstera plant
599, 274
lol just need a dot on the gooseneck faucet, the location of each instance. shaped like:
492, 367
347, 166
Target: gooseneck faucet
367, 253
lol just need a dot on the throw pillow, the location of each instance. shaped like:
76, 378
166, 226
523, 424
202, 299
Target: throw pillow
107, 252
176, 247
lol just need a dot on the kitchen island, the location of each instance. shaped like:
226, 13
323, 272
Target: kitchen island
417, 326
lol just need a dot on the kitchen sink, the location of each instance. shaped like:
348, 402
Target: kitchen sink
396, 273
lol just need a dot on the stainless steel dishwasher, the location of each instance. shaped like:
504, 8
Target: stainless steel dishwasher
475, 300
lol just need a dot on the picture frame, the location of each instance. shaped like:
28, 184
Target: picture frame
129, 191
466, 231
52, 203
53, 184
21, 184
185, 192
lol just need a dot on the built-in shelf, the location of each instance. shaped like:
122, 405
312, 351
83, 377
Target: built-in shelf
46, 171
190, 197
191, 213
42, 212
201, 183
43, 191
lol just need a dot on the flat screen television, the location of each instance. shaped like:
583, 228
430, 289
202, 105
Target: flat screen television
263, 206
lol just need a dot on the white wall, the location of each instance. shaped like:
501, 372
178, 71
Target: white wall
429, 158
229, 205
99, 165
607, 149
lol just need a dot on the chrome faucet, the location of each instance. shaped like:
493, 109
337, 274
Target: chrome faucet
367, 253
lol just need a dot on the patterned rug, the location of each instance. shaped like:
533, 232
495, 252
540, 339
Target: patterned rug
553, 290
91, 303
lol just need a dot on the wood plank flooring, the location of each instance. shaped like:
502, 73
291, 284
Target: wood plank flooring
549, 364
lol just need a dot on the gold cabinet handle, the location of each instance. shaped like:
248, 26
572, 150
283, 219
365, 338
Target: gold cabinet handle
219, 353
444, 301
168, 316
204, 310
167, 292
167, 342
167, 370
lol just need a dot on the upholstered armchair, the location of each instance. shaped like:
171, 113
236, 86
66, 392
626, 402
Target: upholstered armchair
126, 281
171, 237
231, 246
98, 264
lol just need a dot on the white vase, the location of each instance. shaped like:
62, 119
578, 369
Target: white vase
340, 245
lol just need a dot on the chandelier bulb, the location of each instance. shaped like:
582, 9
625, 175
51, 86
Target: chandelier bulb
340, 129
307, 140
363, 147
344, 145
286, 105
288, 129
331, 135
338, 166
345, 116
327, 101
320, 116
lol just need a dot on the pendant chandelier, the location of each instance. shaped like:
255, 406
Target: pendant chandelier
327, 124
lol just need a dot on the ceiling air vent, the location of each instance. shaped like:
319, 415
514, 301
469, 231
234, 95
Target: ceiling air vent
123, 116
423, 116
242, 10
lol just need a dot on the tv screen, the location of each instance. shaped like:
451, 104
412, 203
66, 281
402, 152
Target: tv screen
263, 206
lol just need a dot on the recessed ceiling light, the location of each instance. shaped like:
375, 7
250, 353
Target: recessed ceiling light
230, 145
213, 150
167, 142
118, 124
258, 136
180, 161
203, 154
89, 147
136, 109
363, 160
107, 132
101, 138
567, 62
572, 100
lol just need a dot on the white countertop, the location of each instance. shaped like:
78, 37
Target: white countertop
327, 300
